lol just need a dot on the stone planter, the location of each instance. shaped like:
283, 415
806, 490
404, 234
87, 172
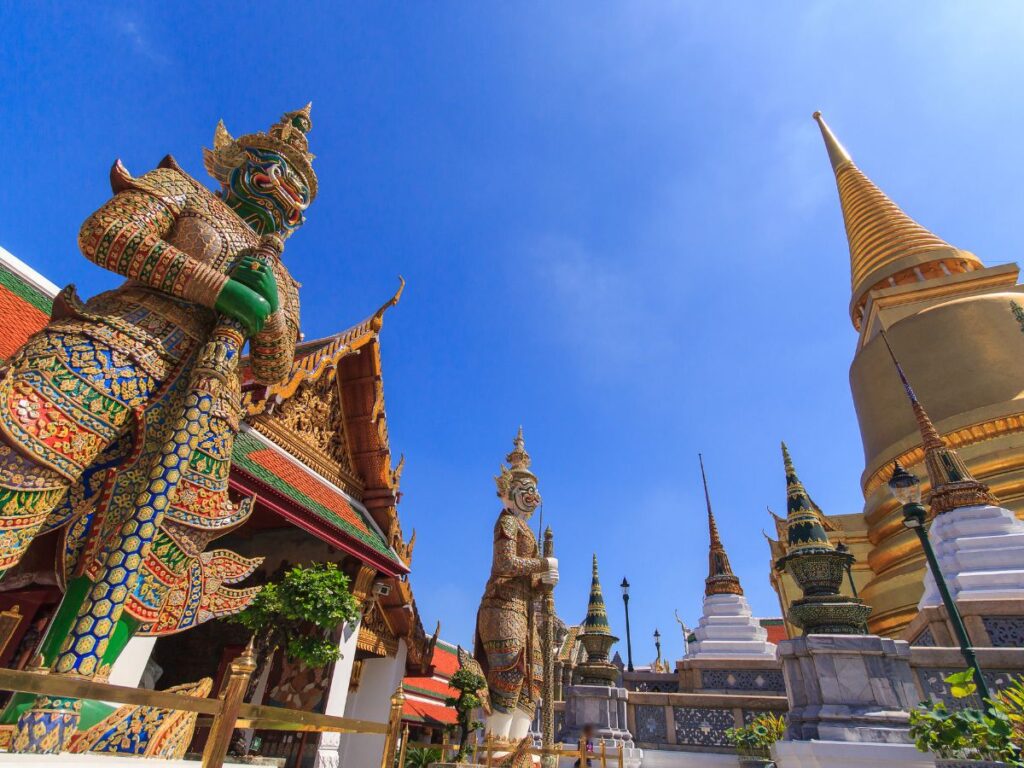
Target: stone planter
955, 762
756, 762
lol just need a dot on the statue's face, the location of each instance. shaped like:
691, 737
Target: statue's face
523, 497
267, 193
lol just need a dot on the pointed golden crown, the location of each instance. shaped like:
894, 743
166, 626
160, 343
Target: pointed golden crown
518, 465
286, 137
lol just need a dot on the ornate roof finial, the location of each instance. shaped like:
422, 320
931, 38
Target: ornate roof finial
952, 485
518, 465
596, 622
721, 580
804, 529
884, 241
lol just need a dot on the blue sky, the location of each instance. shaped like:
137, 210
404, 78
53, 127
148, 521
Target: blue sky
617, 222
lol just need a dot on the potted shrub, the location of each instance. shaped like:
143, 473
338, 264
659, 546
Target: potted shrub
468, 683
969, 736
299, 615
753, 742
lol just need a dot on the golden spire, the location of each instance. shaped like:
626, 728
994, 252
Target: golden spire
952, 484
887, 247
721, 580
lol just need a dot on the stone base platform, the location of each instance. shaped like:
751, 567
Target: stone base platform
848, 754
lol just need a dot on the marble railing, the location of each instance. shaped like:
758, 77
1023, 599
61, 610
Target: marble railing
693, 721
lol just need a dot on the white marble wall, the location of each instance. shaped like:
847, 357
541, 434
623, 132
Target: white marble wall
328, 753
981, 553
372, 701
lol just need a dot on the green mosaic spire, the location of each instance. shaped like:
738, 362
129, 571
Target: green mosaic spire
805, 532
596, 622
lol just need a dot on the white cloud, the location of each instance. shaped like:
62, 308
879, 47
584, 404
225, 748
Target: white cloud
605, 309
133, 30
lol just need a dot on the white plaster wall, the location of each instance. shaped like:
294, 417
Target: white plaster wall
130, 665
377, 682
329, 751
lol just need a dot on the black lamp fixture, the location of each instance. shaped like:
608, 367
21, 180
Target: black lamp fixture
906, 487
629, 643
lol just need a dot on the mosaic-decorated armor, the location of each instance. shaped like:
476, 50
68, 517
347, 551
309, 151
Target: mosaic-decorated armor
90, 405
507, 641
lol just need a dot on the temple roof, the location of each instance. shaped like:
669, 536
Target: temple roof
887, 247
329, 507
425, 694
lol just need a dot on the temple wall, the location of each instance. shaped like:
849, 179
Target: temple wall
329, 750
380, 678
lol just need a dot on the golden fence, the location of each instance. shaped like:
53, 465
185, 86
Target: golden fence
228, 711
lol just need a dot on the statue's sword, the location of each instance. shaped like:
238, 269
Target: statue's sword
217, 361
548, 650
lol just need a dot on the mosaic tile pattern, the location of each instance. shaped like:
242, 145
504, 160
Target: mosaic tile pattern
925, 639
650, 724
743, 680
1005, 631
933, 683
702, 726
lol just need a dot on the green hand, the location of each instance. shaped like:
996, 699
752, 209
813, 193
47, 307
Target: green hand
259, 277
244, 305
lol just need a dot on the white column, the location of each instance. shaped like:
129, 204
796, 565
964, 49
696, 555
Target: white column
377, 681
130, 665
328, 754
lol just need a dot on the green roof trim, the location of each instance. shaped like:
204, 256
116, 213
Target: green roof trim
432, 695
25, 290
246, 444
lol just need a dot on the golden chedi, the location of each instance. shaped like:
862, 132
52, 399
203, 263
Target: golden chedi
959, 326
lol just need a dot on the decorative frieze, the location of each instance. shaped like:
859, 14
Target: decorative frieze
1005, 631
743, 680
702, 726
650, 724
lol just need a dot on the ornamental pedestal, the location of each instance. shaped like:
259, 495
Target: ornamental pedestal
857, 688
849, 702
603, 709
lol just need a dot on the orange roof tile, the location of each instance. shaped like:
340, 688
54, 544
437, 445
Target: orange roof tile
420, 711
303, 481
21, 320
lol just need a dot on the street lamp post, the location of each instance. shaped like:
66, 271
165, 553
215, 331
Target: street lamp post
907, 489
657, 645
841, 547
629, 642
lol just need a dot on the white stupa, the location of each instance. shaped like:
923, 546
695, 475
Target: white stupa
727, 629
979, 544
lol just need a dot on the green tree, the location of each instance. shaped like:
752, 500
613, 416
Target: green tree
300, 613
468, 684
